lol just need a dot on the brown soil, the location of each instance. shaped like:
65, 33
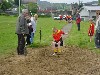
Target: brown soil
39, 61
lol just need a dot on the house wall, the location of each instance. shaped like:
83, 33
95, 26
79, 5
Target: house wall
93, 14
86, 18
84, 14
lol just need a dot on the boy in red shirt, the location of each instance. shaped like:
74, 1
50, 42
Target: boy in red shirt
57, 40
91, 29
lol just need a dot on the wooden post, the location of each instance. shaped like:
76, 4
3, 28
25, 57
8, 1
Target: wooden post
40, 34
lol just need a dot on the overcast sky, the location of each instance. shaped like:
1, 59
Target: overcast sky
67, 1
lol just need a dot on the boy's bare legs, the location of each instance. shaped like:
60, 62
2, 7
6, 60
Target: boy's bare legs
90, 38
59, 49
54, 48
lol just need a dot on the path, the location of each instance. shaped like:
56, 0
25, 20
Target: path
66, 29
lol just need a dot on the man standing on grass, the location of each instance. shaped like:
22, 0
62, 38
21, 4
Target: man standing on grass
21, 31
78, 20
97, 34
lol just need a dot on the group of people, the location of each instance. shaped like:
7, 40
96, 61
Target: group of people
31, 22
68, 18
92, 28
25, 28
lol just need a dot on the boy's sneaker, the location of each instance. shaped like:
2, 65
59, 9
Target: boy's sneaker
95, 47
54, 54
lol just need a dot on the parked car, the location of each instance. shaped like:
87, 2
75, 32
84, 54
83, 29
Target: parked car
56, 18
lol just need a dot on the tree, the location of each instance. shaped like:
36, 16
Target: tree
80, 5
99, 2
11, 1
5, 5
17, 2
32, 7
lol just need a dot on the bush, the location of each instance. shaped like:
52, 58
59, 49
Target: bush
4, 14
44, 16
16, 15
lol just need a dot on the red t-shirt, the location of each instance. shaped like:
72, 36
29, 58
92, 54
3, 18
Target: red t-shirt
78, 20
57, 35
91, 30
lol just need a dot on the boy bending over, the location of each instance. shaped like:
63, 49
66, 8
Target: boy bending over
57, 40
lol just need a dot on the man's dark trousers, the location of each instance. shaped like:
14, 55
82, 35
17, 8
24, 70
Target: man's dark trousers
78, 25
97, 40
21, 44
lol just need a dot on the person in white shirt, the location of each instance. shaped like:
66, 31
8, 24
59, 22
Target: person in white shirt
33, 22
97, 34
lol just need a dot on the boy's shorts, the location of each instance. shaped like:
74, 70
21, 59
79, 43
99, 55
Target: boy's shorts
61, 43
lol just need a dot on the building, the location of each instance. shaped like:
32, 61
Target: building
89, 12
27, 1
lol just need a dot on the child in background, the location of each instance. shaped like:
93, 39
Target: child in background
69, 19
61, 17
91, 29
57, 40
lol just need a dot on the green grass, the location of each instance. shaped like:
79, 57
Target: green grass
8, 38
81, 38
7, 35
46, 25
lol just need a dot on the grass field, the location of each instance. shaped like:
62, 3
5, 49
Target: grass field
81, 38
8, 38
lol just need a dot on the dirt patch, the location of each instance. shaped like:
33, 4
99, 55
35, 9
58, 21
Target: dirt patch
39, 61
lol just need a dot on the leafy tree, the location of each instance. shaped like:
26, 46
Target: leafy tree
99, 2
80, 5
5, 5
32, 7
17, 2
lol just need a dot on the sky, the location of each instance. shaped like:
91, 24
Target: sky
67, 1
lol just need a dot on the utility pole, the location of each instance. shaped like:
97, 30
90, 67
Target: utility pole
52, 10
19, 7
